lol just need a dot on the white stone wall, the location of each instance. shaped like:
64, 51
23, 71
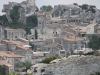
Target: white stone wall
90, 30
13, 35
98, 31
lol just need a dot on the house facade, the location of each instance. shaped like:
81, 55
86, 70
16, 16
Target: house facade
14, 34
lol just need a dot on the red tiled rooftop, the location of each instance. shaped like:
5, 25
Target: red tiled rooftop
2, 62
19, 46
9, 54
69, 32
11, 43
5, 62
70, 39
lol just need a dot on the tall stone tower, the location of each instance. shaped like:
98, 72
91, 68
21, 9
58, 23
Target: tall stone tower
31, 2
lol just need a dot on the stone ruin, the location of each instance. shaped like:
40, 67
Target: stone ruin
27, 8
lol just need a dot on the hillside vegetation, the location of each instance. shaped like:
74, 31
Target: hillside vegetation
31, 21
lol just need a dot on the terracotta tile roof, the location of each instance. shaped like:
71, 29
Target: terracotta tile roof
9, 65
70, 39
24, 48
51, 45
11, 43
23, 39
69, 32
5, 62
17, 43
9, 54
2, 62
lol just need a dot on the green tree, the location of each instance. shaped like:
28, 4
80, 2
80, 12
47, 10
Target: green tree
84, 6
92, 10
27, 65
36, 34
97, 73
14, 13
46, 8
28, 74
3, 18
94, 43
49, 59
75, 4
19, 65
32, 21
2, 70
14, 73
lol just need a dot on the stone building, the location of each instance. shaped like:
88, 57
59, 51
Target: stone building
11, 57
1, 29
50, 31
3, 47
8, 60
14, 34
53, 48
41, 20
1, 32
74, 20
20, 48
70, 44
9, 67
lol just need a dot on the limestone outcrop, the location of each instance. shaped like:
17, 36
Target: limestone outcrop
27, 8
76, 65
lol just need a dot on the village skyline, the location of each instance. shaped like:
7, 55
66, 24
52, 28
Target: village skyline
53, 2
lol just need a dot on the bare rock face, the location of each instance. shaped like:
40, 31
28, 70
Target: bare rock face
27, 8
61, 10
76, 65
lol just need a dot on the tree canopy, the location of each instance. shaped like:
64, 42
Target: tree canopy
25, 65
46, 8
87, 8
75, 4
94, 43
49, 59
31, 21
2, 70
14, 13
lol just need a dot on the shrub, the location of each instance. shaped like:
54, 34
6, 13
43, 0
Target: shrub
49, 59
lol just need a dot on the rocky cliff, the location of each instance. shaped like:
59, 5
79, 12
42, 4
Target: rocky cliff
76, 65
62, 10
27, 8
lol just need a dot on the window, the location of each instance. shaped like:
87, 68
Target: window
62, 52
56, 33
15, 36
